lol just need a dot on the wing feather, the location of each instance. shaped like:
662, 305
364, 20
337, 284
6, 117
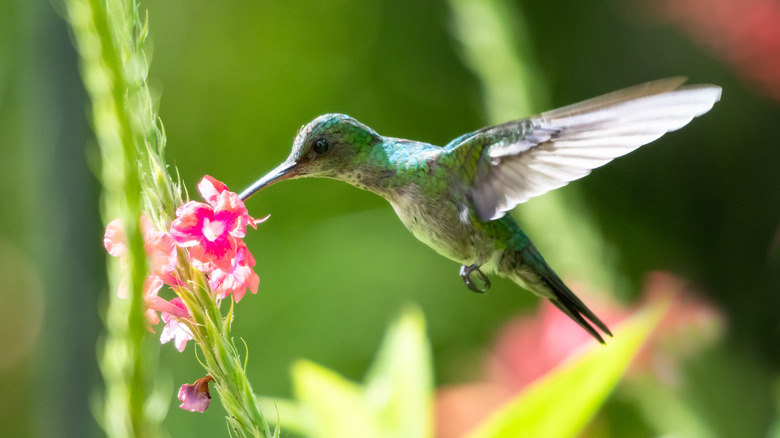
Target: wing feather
530, 157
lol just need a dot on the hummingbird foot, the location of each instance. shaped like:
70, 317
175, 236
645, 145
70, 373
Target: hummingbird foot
481, 286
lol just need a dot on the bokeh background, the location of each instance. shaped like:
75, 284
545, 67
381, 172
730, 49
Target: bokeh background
237, 79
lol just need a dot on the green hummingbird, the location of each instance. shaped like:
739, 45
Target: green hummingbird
455, 198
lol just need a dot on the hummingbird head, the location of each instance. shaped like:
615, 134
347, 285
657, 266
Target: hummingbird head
330, 146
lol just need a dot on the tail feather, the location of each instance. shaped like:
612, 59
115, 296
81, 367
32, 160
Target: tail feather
565, 300
528, 268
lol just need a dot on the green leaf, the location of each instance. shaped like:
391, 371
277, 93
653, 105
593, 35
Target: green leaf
336, 405
395, 401
285, 414
400, 382
562, 402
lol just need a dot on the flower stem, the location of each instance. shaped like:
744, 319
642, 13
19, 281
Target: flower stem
222, 360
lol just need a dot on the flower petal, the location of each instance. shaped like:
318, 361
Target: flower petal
187, 229
160, 246
218, 254
174, 328
195, 397
210, 188
255, 222
114, 239
238, 279
231, 210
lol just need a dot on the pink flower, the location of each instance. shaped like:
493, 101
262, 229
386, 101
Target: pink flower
240, 277
210, 188
172, 313
549, 337
114, 239
195, 397
161, 249
211, 231
157, 244
152, 286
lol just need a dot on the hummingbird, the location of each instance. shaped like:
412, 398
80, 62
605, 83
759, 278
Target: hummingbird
455, 198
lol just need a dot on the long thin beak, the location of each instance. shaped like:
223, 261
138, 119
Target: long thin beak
282, 172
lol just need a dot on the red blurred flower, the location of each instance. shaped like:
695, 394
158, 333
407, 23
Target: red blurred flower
195, 397
531, 345
743, 32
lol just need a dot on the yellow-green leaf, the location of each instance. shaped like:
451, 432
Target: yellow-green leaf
336, 406
561, 403
400, 383
396, 400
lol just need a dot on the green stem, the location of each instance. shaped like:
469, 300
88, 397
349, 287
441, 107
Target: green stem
223, 361
136, 260
104, 40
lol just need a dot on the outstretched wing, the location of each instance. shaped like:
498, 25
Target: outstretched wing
526, 158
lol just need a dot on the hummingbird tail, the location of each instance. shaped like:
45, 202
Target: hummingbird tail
527, 268
574, 308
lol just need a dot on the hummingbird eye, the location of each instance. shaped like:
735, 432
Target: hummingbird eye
320, 146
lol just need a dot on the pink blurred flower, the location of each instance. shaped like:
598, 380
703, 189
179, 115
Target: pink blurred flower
152, 286
195, 397
531, 345
154, 304
528, 347
240, 277
210, 231
114, 239
161, 249
690, 324
172, 313
157, 244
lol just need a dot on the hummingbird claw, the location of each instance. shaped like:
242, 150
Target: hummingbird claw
465, 274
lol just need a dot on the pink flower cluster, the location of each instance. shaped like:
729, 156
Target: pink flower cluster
212, 235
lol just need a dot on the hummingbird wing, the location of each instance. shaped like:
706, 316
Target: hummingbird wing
522, 159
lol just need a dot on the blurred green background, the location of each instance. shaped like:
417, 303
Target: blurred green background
237, 79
